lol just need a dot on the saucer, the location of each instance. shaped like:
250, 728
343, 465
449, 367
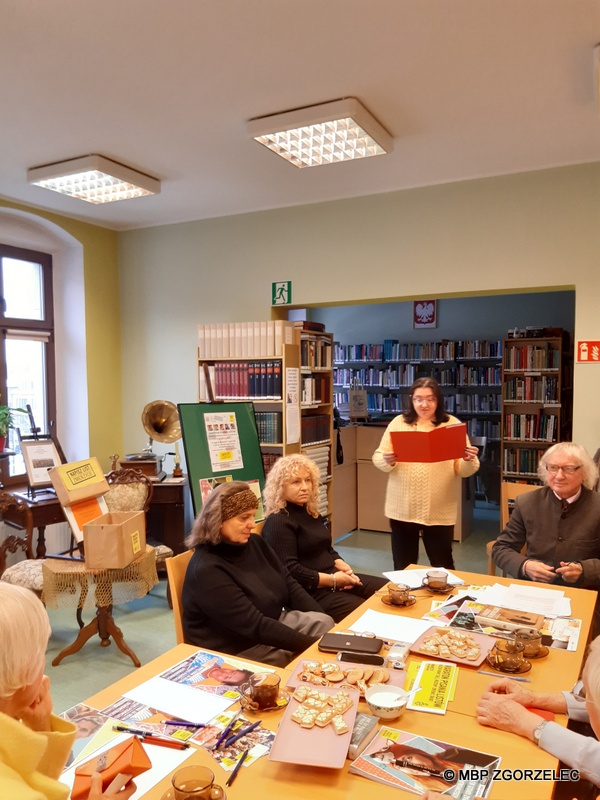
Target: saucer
542, 653
411, 601
252, 708
170, 794
525, 667
447, 588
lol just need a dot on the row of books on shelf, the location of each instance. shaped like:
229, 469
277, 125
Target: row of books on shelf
321, 456
404, 375
531, 427
454, 404
530, 389
315, 351
522, 460
269, 426
479, 427
475, 403
244, 339
241, 380
531, 357
394, 350
314, 389
315, 428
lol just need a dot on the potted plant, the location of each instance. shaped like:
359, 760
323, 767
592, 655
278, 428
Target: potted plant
7, 422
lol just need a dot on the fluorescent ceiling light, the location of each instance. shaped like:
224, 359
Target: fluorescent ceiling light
93, 178
341, 130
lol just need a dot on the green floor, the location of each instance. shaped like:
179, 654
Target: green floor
147, 624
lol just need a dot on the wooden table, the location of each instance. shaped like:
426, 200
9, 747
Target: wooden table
272, 779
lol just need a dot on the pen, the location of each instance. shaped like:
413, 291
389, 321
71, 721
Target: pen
239, 735
508, 675
181, 724
165, 742
138, 732
236, 769
227, 730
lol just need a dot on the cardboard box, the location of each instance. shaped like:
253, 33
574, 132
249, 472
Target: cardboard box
114, 540
78, 480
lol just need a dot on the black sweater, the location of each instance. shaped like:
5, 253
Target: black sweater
302, 542
233, 596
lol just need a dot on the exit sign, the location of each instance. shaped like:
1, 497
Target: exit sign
281, 293
588, 352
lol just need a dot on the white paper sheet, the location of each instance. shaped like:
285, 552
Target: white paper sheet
164, 761
414, 577
549, 602
180, 701
391, 626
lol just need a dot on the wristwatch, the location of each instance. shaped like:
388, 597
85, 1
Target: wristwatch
537, 732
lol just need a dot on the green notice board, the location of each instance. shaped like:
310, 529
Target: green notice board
220, 441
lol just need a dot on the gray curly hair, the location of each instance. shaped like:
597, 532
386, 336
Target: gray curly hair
283, 471
570, 450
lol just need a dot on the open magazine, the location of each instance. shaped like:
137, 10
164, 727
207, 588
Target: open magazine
417, 764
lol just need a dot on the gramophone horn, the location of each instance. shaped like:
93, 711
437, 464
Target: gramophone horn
161, 421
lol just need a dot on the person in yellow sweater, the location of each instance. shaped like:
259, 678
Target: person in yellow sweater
421, 497
34, 743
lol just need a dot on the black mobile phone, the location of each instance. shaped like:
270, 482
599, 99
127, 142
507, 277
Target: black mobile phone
362, 658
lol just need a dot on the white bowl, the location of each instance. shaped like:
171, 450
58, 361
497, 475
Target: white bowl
385, 701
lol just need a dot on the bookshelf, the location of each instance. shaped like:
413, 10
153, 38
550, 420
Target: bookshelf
536, 402
286, 372
469, 373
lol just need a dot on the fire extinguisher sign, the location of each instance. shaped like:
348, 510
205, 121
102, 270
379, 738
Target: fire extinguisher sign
588, 352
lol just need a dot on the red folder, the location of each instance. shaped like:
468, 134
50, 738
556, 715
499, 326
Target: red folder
440, 444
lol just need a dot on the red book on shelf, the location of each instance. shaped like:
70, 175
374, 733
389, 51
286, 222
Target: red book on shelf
441, 444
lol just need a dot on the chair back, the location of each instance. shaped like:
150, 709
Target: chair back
480, 442
14, 541
130, 490
508, 492
176, 569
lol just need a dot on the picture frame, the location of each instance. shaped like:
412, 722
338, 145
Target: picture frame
425, 314
39, 455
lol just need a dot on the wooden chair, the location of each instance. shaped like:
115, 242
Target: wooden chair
508, 492
131, 490
176, 569
28, 572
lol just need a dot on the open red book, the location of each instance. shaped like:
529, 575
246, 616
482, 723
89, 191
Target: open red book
441, 444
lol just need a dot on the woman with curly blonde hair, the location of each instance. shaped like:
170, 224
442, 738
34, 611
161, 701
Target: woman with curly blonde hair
299, 536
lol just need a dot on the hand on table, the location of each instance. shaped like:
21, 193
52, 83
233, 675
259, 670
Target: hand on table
504, 686
502, 712
570, 571
37, 715
538, 571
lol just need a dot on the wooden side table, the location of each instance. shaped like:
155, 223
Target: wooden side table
70, 584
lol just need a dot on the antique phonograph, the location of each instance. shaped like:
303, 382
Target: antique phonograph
161, 422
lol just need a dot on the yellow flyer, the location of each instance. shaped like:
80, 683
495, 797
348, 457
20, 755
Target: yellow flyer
437, 681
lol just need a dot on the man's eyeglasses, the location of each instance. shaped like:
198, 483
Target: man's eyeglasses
568, 470
421, 401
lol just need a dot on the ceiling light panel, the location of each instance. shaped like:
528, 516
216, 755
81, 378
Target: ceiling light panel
342, 130
95, 179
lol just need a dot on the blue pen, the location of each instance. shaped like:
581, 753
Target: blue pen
181, 724
227, 730
239, 735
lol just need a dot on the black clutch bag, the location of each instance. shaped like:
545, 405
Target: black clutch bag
336, 642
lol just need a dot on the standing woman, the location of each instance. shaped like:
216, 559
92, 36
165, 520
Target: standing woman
421, 497
298, 534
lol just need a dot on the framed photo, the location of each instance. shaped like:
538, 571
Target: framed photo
39, 455
425, 314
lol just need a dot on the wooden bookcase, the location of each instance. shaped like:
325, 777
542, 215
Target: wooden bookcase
536, 402
291, 388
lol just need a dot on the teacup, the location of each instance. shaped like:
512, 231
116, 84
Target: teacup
261, 690
437, 580
531, 639
386, 701
196, 783
399, 594
506, 655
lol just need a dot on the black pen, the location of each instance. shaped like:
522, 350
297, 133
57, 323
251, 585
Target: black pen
138, 732
236, 769
182, 724
227, 730
239, 735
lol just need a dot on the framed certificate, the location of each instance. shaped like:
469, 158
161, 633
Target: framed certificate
39, 455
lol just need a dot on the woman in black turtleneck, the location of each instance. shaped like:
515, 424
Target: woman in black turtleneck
237, 597
298, 534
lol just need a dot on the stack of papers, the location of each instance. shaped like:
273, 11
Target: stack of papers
549, 602
391, 627
414, 577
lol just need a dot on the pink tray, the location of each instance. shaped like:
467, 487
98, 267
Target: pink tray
485, 643
396, 675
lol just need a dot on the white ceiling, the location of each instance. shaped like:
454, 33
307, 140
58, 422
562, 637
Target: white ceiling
468, 88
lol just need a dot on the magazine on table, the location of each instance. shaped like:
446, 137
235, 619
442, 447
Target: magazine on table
418, 764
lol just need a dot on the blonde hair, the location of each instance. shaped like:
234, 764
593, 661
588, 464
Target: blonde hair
283, 471
24, 633
591, 672
571, 450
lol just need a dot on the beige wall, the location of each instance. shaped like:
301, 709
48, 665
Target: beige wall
100, 329
518, 232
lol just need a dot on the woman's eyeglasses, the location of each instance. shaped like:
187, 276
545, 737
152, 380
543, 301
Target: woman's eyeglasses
422, 401
568, 470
